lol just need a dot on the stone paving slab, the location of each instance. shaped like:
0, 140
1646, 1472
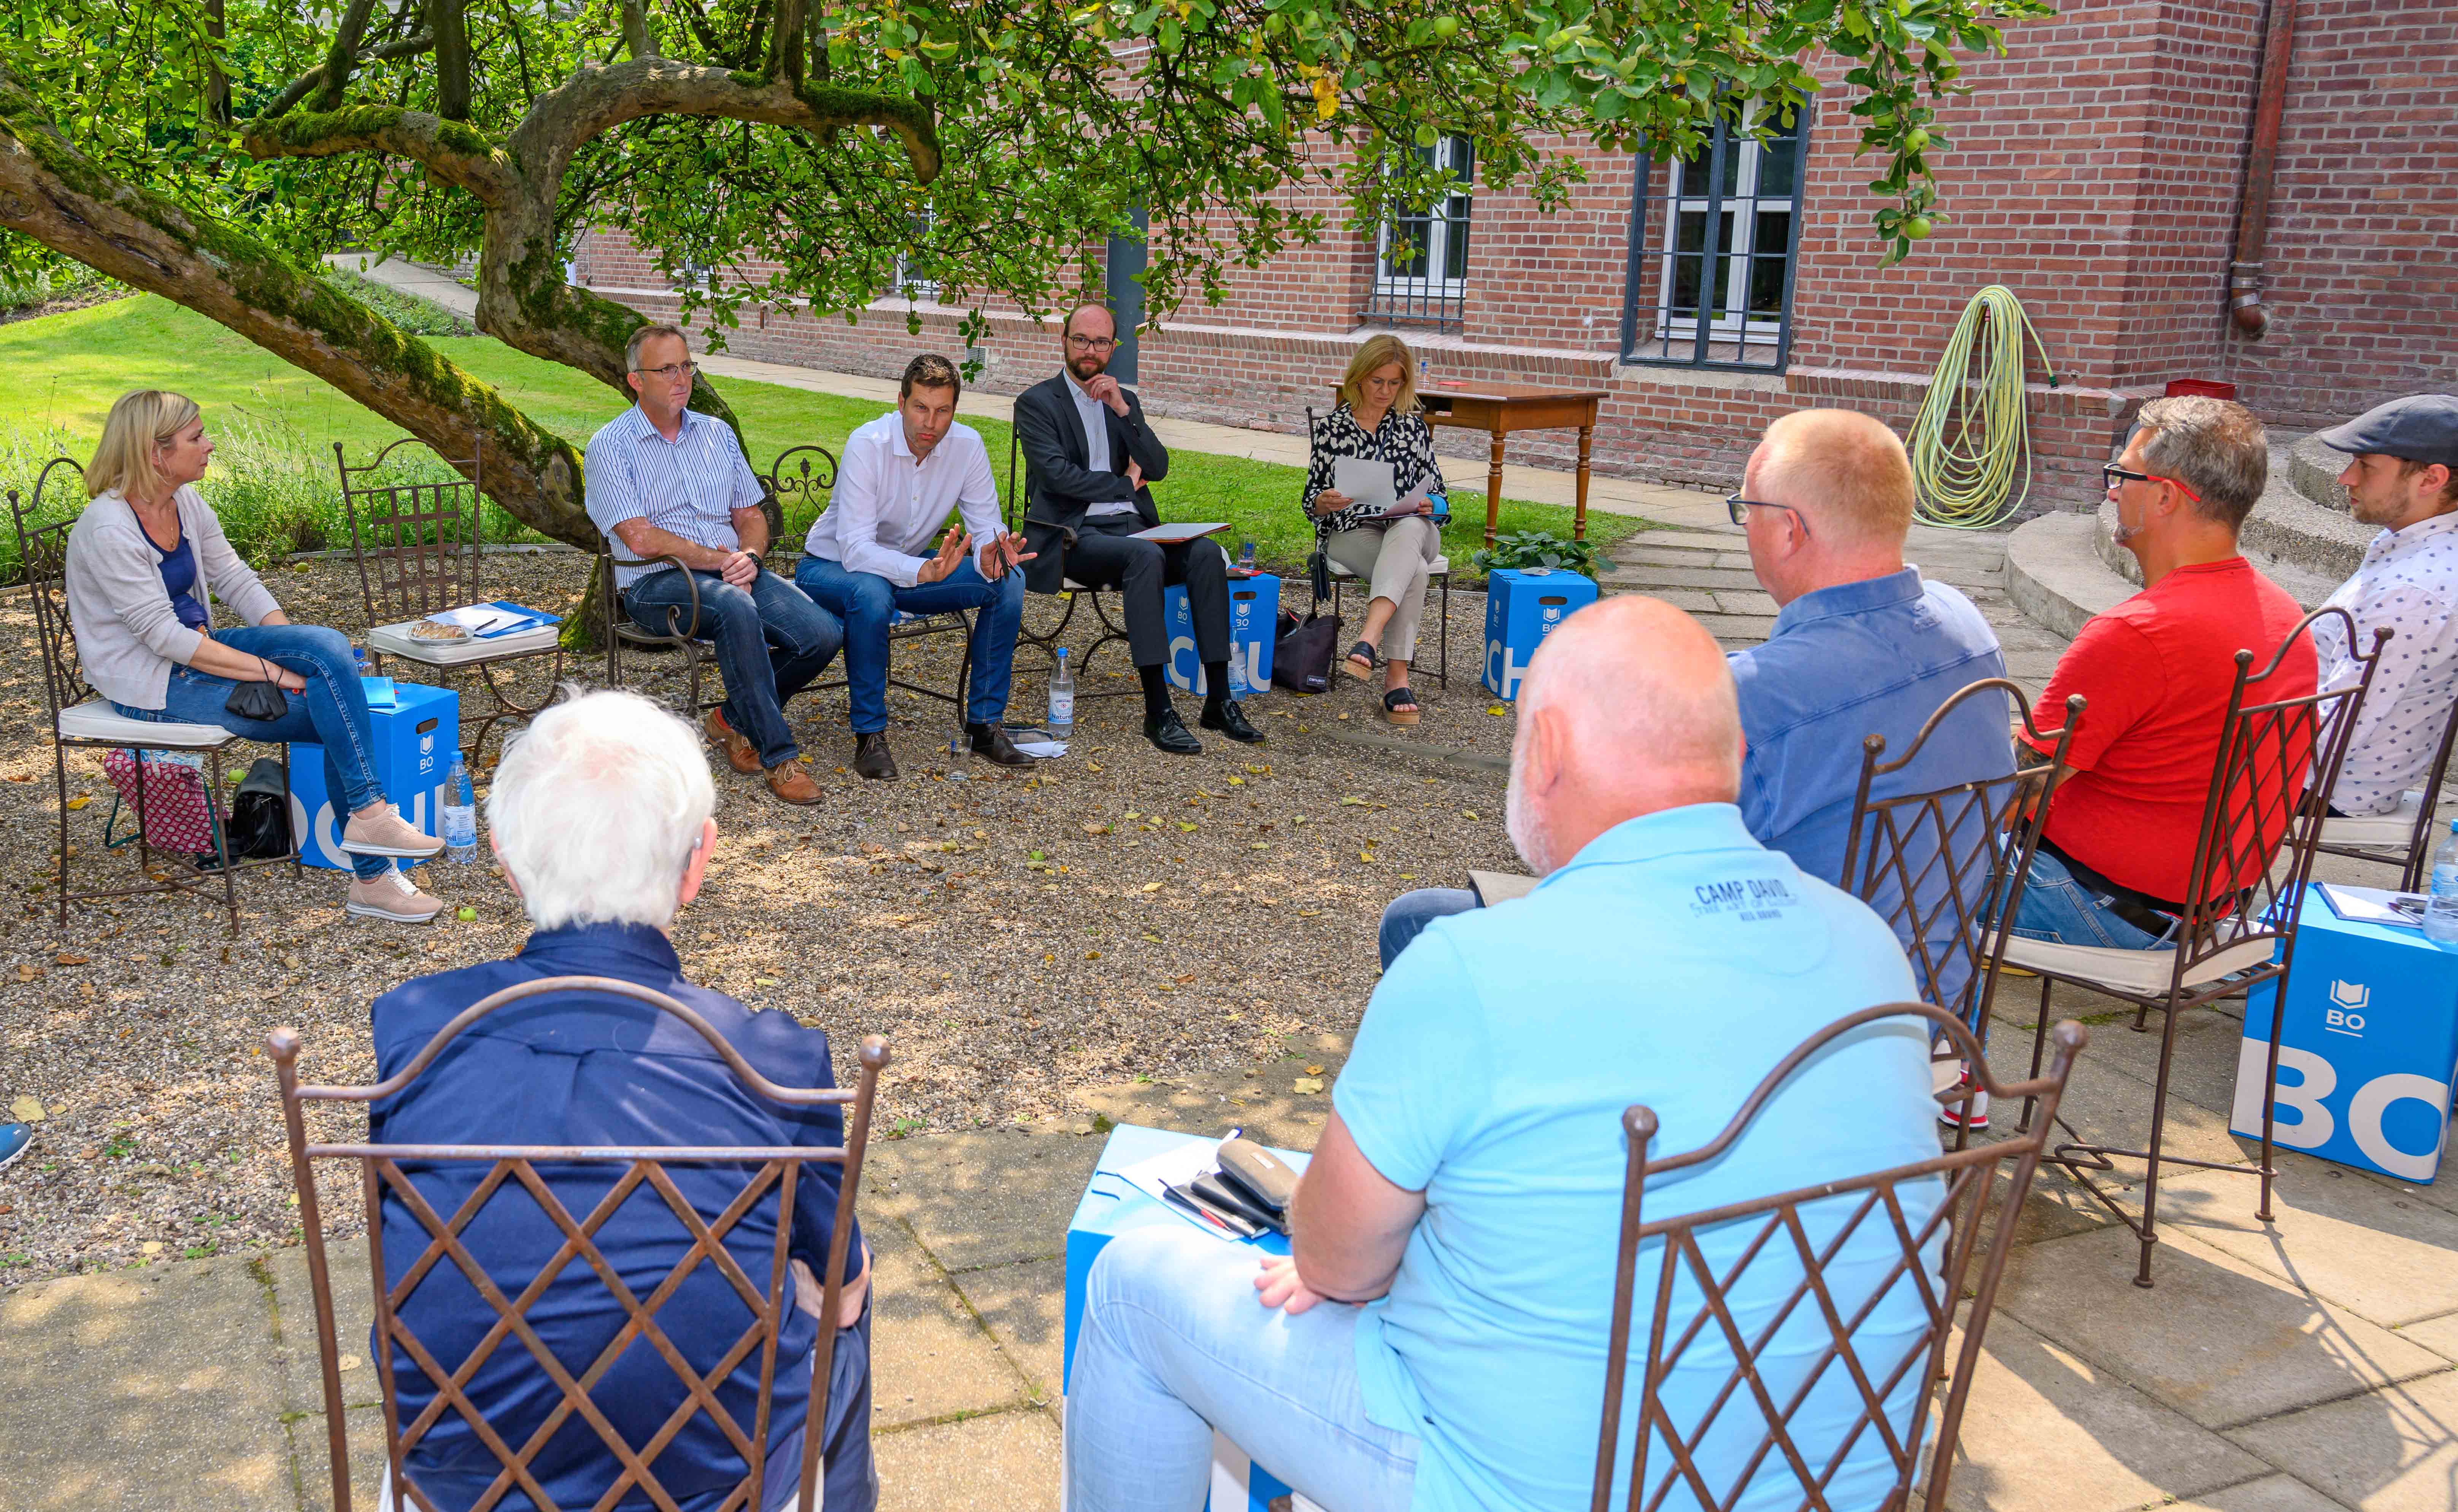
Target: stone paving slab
2276, 1493
2215, 1339
2438, 1335
294, 1303
2047, 1431
931, 1358
1024, 1307
1005, 1462
988, 1198
2386, 1451
2382, 1256
115, 1389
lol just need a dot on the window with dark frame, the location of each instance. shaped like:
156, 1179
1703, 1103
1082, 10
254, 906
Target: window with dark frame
913, 286
1421, 258
1712, 242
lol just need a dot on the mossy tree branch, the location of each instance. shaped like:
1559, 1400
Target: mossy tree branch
342, 56
52, 192
453, 151
298, 89
449, 22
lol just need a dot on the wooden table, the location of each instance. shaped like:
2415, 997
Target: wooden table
1500, 409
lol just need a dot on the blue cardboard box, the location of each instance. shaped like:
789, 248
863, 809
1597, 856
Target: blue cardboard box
1254, 625
1111, 1206
1522, 605
415, 742
2367, 1051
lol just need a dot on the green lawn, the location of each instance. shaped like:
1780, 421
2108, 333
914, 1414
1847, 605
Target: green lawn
273, 483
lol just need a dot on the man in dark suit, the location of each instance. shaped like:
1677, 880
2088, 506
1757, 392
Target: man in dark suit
1091, 459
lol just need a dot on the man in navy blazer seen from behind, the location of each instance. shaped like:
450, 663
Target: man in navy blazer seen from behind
1091, 460
600, 819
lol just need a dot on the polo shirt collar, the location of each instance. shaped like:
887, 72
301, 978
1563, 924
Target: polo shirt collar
1666, 832
604, 949
1851, 597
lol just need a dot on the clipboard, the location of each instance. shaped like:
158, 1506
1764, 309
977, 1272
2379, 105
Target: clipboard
1173, 534
1499, 886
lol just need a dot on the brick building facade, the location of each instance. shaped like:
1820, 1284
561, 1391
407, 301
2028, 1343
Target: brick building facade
2095, 171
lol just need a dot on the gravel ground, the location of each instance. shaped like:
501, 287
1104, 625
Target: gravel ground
1114, 915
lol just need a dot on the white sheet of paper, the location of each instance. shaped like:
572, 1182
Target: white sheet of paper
1168, 534
1176, 1168
1364, 480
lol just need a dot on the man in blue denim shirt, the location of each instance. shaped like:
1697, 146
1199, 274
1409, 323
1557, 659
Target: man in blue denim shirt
1862, 646
601, 817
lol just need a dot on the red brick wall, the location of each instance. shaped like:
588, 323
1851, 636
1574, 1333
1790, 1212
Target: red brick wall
2094, 172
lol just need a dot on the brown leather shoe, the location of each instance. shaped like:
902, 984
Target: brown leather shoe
740, 751
792, 783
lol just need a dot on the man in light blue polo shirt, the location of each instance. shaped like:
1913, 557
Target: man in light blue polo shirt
1438, 1339
661, 480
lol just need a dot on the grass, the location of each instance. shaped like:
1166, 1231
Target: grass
275, 488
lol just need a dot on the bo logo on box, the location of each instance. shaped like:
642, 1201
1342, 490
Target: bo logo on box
2345, 1015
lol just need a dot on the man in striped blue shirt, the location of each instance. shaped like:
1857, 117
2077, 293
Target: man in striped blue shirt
662, 481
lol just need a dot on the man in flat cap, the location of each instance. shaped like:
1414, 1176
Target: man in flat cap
2402, 475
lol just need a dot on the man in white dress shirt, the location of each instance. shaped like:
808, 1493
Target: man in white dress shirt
869, 555
2402, 475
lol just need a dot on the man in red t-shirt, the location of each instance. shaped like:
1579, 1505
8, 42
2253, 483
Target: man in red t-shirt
2113, 864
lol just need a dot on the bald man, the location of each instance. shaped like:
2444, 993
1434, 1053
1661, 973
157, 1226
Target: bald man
1470, 1177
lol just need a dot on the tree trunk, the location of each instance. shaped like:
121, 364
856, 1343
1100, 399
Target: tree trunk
52, 193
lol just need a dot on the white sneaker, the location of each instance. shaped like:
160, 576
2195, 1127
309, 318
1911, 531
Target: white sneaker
391, 895
382, 831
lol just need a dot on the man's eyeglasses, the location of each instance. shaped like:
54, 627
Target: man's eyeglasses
1740, 509
2112, 476
1092, 343
671, 370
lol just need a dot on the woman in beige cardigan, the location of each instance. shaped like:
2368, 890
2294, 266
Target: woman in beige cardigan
143, 561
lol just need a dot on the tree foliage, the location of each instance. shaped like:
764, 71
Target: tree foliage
797, 150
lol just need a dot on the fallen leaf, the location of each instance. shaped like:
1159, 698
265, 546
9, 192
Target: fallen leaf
981, 834
1036, 856
1497, 709
1131, 814
1262, 845
1343, 715
1353, 799
1308, 1085
1236, 782
151, 1246
1154, 938
1182, 825
1258, 770
1468, 813
1365, 855
1096, 828
26, 973
351, 1362
1188, 977
1313, 1070
66, 960
1095, 765
764, 981
1408, 877
1310, 913
79, 802
12, 777
1092, 955
1301, 819
873, 847
27, 1110
1151, 886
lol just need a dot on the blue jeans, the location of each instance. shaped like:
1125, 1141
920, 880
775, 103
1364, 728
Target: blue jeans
770, 641
1174, 1344
332, 713
2060, 909
1409, 914
866, 602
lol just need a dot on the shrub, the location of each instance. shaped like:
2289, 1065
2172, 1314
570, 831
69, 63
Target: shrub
419, 317
1539, 549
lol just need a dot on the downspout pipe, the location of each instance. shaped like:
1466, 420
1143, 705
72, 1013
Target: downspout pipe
2253, 206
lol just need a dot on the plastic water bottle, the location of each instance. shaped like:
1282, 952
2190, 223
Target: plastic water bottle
359, 655
1237, 685
459, 814
1246, 559
2441, 913
1062, 696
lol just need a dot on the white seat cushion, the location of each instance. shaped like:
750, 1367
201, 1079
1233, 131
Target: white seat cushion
1071, 585
2145, 971
96, 718
1433, 569
2376, 830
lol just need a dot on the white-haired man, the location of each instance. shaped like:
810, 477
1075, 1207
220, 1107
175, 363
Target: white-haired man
1470, 1180
600, 819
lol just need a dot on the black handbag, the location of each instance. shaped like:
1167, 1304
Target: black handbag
261, 702
1301, 654
260, 821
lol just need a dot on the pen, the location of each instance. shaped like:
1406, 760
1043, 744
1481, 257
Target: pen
1179, 1197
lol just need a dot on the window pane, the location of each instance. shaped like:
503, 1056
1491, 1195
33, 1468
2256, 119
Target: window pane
1462, 159
1724, 290
1685, 287
1766, 286
1455, 255
1780, 168
1690, 235
1733, 147
1407, 256
1688, 176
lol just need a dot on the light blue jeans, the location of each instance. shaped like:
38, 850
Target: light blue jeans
1409, 914
1174, 1344
2060, 909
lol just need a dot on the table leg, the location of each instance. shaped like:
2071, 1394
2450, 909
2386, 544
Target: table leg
1579, 523
1493, 489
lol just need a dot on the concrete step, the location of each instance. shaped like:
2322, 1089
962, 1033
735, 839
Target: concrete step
2309, 586
2055, 576
2312, 470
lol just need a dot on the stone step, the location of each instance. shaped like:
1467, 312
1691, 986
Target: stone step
2055, 576
2307, 585
2312, 470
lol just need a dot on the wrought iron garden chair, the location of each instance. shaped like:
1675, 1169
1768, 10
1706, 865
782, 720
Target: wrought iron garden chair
2251, 862
83, 720
420, 553
1954, 1253
1930, 863
770, 1174
1439, 571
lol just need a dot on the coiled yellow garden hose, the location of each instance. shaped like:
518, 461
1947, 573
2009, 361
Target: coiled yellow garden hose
1972, 444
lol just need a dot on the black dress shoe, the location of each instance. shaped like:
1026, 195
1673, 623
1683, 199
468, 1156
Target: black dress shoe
1166, 730
991, 743
871, 757
1231, 721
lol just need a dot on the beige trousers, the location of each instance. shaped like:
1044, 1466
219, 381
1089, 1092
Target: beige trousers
1393, 563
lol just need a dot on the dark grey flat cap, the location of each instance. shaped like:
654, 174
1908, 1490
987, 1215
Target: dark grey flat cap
2420, 427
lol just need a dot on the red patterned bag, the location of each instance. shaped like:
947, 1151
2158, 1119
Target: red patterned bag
176, 815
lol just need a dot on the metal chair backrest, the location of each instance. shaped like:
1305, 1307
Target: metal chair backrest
1692, 1305
1930, 863
770, 1174
417, 543
799, 472
42, 559
2416, 861
2275, 746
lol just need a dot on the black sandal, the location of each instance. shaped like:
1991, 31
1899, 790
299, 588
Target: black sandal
1363, 651
1393, 697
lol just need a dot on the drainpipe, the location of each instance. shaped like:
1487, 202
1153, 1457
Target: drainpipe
2253, 209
